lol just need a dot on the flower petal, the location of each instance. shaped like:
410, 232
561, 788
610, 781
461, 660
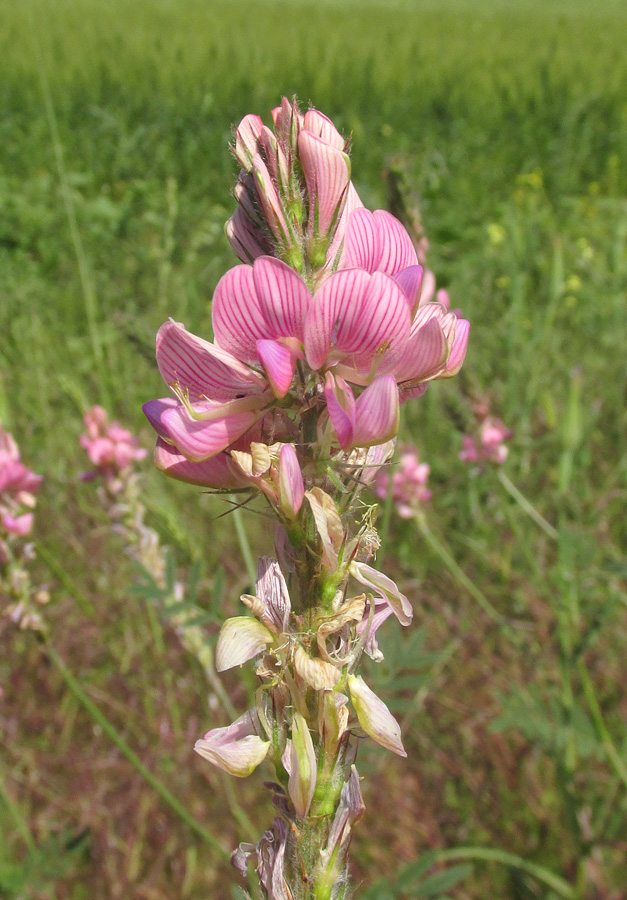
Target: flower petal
279, 363
291, 485
201, 439
334, 316
341, 408
410, 282
236, 749
374, 716
202, 368
218, 472
241, 638
384, 587
362, 248
272, 591
458, 350
397, 250
236, 314
282, 296
321, 126
377, 414
302, 778
327, 174
425, 353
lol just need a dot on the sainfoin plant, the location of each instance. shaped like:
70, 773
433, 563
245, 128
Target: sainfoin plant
319, 338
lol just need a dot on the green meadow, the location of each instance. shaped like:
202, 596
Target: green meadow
508, 123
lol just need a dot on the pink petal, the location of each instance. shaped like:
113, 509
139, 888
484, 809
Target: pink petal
18, 525
279, 363
341, 407
244, 237
425, 353
427, 292
410, 281
199, 440
246, 136
269, 199
397, 250
352, 203
458, 350
202, 368
282, 296
218, 472
383, 327
236, 314
327, 174
362, 247
334, 314
323, 127
412, 393
291, 484
154, 409
377, 413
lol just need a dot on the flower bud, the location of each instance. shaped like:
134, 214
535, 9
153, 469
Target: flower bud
374, 716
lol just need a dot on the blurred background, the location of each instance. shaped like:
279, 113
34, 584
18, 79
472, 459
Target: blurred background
502, 128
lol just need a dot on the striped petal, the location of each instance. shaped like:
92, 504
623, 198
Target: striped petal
334, 315
269, 199
377, 413
218, 472
279, 363
282, 296
362, 247
244, 237
154, 409
458, 350
341, 408
238, 322
351, 204
291, 484
397, 250
410, 282
425, 353
321, 126
199, 439
202, 368
383, 327
327, 174
246, 137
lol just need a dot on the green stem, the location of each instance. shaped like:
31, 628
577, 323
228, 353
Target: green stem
242, 537
455, 570
525, 505
597, 716
18, 818
130, 754
559, 885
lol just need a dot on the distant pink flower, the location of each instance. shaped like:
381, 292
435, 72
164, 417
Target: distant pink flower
111, 448
488, 445
18, 486
409, 481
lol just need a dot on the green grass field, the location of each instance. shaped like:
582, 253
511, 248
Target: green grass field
510, 123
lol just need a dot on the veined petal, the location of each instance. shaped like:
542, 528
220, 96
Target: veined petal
377, 413
201, 368
302, 778
269, 199
374, 716
323, 127
217, 472
383, 328
272, 591
199, 440
334, 316
247, 241
236, 314
279, 363
383, 587
410, 281
154, 409
246, 137
397, 250
341, 408
241, 638
282, 296
458, 350
425, 353
236, 749
291, 485
362, 248
328, 525
327, 173
351, 203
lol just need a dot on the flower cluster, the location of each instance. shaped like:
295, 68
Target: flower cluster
320, 335
18, 486
110, 447
408, 486
488, 445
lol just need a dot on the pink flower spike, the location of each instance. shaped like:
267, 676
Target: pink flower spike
341, 408
279, 363
218, 472
202, 368
327, 173
377, 413
201, 439
291, 484
282, 296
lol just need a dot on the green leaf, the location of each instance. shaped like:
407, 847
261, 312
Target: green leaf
442, 881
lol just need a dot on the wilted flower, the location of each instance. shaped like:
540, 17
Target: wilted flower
409, 481
237, 749
110, 447
489, 444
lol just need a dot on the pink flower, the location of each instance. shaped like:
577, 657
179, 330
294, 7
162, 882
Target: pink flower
111, 448
488, 445
18, 486
294, 193
408, 483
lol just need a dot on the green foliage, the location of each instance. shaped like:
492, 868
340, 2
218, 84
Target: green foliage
57, 856
414, 881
